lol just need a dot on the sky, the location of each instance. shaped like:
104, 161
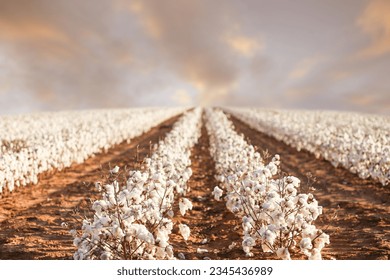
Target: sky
301, 54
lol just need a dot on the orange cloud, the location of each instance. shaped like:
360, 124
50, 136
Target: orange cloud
304, 67
243, 45
31, 30
375, 21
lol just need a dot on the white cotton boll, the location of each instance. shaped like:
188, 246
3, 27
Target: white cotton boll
184, 231
247, 223
141, 232
321, 240
169, 251
289, 204
98, 186
302, 199
77, 241
184, 205
248, 241
217, 193
270, 236
283, 253
170, 213
115, 170
272, 168
118, 232
201, 251
269, 206
204, 241
291, 189
157, 177
232, 246
306, 244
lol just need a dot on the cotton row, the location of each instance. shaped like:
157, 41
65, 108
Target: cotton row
275, 216
32, 144
133, 218
358, 142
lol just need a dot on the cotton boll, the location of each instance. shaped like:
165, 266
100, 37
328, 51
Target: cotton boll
306, 244
184, 205
217, 193
169, 251
141, 232
184, 231
115, 170
270, 236
273, 169
248, 241
201, 251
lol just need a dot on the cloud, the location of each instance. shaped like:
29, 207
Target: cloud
69, 50
182, 97
244, 45
375, 22
304, 67
190, 38
378, 101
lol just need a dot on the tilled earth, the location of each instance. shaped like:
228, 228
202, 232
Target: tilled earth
356, 212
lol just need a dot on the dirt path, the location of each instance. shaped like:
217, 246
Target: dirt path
361, 229
31, 217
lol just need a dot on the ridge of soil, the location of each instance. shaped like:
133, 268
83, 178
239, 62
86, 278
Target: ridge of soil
356, 212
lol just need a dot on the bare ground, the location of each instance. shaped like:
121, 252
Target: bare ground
356, 211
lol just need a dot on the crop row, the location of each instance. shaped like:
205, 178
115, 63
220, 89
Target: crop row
32, 144
132, 220
275, 215
358, 142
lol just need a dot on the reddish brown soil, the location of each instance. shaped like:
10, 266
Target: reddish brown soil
361, 228
31, 217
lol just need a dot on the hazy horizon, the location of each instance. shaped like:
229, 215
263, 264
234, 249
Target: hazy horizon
70, 55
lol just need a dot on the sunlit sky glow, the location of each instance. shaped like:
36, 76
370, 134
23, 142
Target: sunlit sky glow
71, 54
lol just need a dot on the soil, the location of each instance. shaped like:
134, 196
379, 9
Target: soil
356, 212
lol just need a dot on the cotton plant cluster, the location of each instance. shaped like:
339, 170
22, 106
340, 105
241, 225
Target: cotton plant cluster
35, 143
358, 142
275, 215
132, 220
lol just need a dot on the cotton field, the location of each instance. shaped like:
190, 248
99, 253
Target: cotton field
194, 183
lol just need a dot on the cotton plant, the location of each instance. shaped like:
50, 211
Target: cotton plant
133, 218
275, 215
358, 142
34, 143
